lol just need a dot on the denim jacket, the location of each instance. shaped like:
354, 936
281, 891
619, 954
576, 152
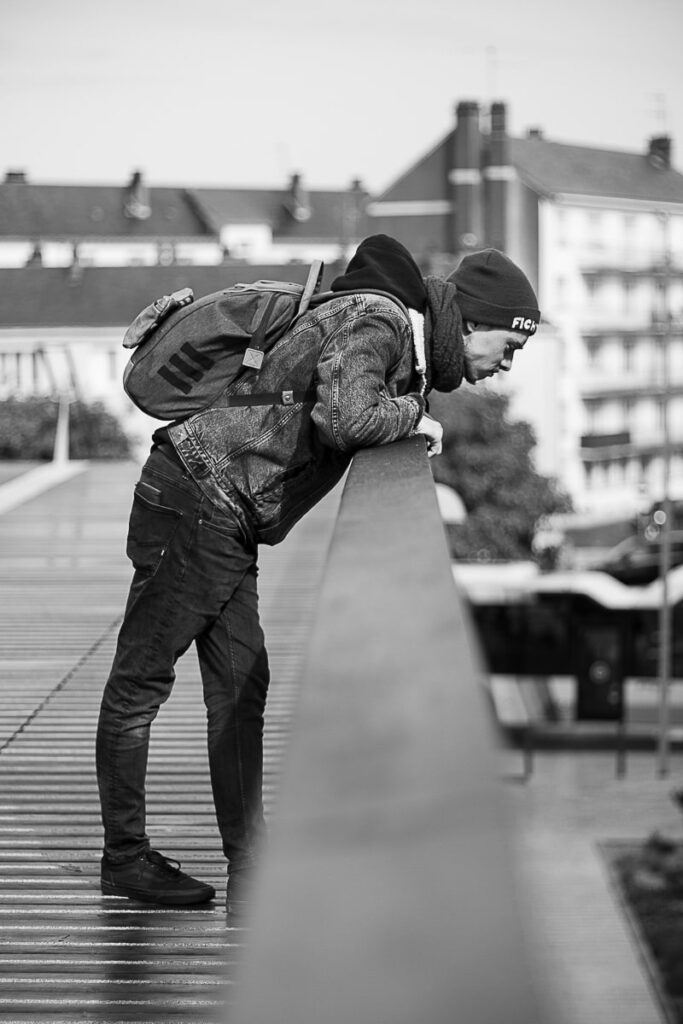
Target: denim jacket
269, 464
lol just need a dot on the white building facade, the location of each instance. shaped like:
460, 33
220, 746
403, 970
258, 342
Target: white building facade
612, 282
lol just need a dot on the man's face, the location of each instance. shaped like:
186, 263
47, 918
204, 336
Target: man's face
490, 349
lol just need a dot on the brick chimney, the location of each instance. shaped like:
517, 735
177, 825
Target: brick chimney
465, 180
659, 152
136, 204
298, 203
497, 175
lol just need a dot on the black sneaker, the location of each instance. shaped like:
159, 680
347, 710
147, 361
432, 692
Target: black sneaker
153, 878
238, 893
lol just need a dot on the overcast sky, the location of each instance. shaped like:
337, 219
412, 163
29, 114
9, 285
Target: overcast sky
219, 92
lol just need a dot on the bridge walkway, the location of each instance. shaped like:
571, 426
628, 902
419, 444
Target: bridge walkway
66, 952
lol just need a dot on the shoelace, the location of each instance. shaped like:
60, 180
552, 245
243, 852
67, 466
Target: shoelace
173, 866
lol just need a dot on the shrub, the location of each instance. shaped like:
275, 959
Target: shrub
28, 425
487, 460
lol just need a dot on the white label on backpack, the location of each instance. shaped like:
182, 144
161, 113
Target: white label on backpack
253, 358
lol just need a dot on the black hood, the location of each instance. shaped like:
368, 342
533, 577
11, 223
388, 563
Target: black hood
382, 263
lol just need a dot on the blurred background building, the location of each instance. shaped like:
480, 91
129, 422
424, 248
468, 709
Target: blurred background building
599, 232
78, 262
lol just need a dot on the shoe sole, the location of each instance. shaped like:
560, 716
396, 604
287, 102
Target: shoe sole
165, 899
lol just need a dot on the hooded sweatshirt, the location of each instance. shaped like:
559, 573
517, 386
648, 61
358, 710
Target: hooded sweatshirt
382, 263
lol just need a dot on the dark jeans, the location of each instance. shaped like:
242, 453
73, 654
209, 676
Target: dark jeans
195, 579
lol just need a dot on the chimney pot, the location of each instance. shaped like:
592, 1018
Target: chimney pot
136, 202
298, 203
498, 117
659, 151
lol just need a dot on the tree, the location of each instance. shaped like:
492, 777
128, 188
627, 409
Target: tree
486, 458
28, 425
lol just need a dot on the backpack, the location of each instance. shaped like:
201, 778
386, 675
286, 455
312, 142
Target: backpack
186, 352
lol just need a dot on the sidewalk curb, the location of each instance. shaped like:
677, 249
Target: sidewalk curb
22, 488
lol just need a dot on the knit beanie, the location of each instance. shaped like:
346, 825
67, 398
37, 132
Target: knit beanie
493, 291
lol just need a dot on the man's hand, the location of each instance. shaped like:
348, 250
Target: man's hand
433, 431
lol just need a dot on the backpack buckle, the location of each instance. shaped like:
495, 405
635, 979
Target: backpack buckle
253, 357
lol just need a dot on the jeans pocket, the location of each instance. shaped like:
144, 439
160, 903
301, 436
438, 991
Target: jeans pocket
150, 529
221, 524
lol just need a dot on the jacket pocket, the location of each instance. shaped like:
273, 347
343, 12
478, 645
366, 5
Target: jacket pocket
150, 529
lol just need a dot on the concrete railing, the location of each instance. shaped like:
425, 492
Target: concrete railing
388, 892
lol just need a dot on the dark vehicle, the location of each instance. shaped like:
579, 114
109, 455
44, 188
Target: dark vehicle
635, 561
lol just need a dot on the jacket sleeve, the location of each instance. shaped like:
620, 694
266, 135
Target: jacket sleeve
354, 407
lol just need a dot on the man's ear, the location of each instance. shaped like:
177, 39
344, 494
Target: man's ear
470, 326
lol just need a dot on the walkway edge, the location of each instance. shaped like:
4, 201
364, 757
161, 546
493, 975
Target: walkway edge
22, 488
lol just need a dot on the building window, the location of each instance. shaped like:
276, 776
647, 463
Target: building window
615, 472
661, 414
595, 232
627, 412
594, 412
594, 353
629, 347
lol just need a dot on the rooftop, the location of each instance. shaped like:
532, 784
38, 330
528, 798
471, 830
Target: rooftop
79, 212
555, 167
313, 215
137, 212
550, 168
113, 296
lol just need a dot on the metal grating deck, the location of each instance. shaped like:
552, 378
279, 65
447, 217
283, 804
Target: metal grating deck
66, 952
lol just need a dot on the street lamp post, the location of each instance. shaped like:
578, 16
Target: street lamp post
664, 651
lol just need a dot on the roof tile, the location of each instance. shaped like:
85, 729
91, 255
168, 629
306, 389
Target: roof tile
553, 167
78, 212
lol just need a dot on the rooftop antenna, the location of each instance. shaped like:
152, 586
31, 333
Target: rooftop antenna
491, 72
660, 113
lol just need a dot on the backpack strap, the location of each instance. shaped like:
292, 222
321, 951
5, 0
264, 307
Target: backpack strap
253, 354
269, 398
313, 282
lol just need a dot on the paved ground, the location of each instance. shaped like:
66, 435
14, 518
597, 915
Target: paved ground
67, 953
9, 470
592, 966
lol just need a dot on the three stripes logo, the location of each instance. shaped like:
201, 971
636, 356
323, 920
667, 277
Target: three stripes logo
183, 371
